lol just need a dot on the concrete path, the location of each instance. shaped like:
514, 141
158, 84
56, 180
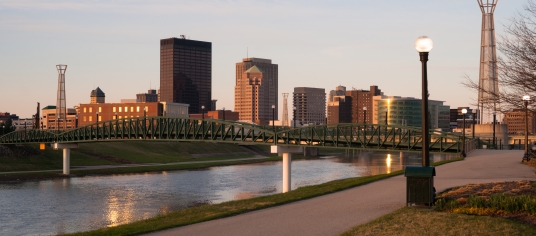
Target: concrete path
336, 213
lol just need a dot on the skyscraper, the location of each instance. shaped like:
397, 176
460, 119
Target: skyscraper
310, 104
186, 73
256, 90
361, 99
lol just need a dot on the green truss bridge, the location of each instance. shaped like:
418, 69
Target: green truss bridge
344, 136
282, 139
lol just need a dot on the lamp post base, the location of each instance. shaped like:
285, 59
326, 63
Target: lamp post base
463, 154
526, 157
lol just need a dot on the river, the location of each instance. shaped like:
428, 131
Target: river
51, 207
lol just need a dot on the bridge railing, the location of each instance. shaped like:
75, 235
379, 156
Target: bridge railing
366, 136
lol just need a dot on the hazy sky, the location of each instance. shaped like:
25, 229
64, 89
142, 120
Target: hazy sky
356, 43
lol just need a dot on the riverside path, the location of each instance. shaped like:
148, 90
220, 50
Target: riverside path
335, 213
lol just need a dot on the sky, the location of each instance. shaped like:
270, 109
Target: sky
114, 44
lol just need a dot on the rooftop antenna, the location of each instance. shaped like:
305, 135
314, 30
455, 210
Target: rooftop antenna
183, 37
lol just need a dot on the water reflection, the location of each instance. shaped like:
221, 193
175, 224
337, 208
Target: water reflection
81, 204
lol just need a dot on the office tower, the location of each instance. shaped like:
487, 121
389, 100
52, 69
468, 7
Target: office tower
339, 91
310, 104
186, 73
488, 93
150, 96
97, 96
361, 99
340, 110
256, 90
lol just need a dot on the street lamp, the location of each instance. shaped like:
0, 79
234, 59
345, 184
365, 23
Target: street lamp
474, 122
144, 112
464, 111
75, 122
223, 108
97, 117
203, 112
423, 45
294, 118
3, 129
116, 116
526, 100
273, 117
493, 141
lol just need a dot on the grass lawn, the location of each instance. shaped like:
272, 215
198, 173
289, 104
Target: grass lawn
415, 221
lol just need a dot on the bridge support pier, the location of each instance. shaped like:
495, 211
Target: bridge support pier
66, 155
287, 162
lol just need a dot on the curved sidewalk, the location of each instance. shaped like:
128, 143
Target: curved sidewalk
335, 213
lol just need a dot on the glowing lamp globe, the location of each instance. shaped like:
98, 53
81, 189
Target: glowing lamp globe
424, 44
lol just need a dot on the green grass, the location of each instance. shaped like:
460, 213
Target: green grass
215, 211
414, 221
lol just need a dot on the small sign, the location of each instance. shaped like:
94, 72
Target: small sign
41, 146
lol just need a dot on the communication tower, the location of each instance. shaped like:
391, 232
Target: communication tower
284, 121
488, 84
61, 108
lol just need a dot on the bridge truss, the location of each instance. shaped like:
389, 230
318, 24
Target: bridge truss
344, 136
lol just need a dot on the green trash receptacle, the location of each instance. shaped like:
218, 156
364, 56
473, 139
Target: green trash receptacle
420, 185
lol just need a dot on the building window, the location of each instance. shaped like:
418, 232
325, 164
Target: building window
146, 108
131, 109
100, 118
90, 118
113, 109
120, 109
126, 109
120, 117
138, 109
91, 109
100, 109
84, 110
85, 118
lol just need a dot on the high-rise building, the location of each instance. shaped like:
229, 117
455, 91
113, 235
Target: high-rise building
339, 91
310, 106
150, 96
186, 73
362, 100
340, 110
256, 90
97, 96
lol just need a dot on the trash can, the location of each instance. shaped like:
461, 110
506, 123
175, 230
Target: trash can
420, 185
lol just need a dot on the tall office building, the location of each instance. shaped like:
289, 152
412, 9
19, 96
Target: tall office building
361, 99
256, 90
186, 73
340, 110
310, 106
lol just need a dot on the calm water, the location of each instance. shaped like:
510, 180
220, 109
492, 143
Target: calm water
81, 204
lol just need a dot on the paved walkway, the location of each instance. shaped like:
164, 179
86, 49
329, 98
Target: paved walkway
335, 213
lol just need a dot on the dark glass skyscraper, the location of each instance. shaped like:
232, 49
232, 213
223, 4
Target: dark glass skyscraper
186, 73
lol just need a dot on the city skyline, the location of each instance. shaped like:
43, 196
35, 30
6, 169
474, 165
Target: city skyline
115, 46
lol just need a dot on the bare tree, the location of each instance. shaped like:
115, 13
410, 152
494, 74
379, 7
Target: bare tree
517, 62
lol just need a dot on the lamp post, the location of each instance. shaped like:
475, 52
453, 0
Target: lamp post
365, 115
75, 122
41, 125
526, 100
474, 122
3, 130
97, 118
203, 112
273, 117
116, 117
464, 111
294, 118
493, 141
223, 109
423, 45
144, 112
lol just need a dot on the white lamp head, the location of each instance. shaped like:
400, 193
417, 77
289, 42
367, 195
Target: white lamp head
364, 108
464, 111
526, 98
424, 44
